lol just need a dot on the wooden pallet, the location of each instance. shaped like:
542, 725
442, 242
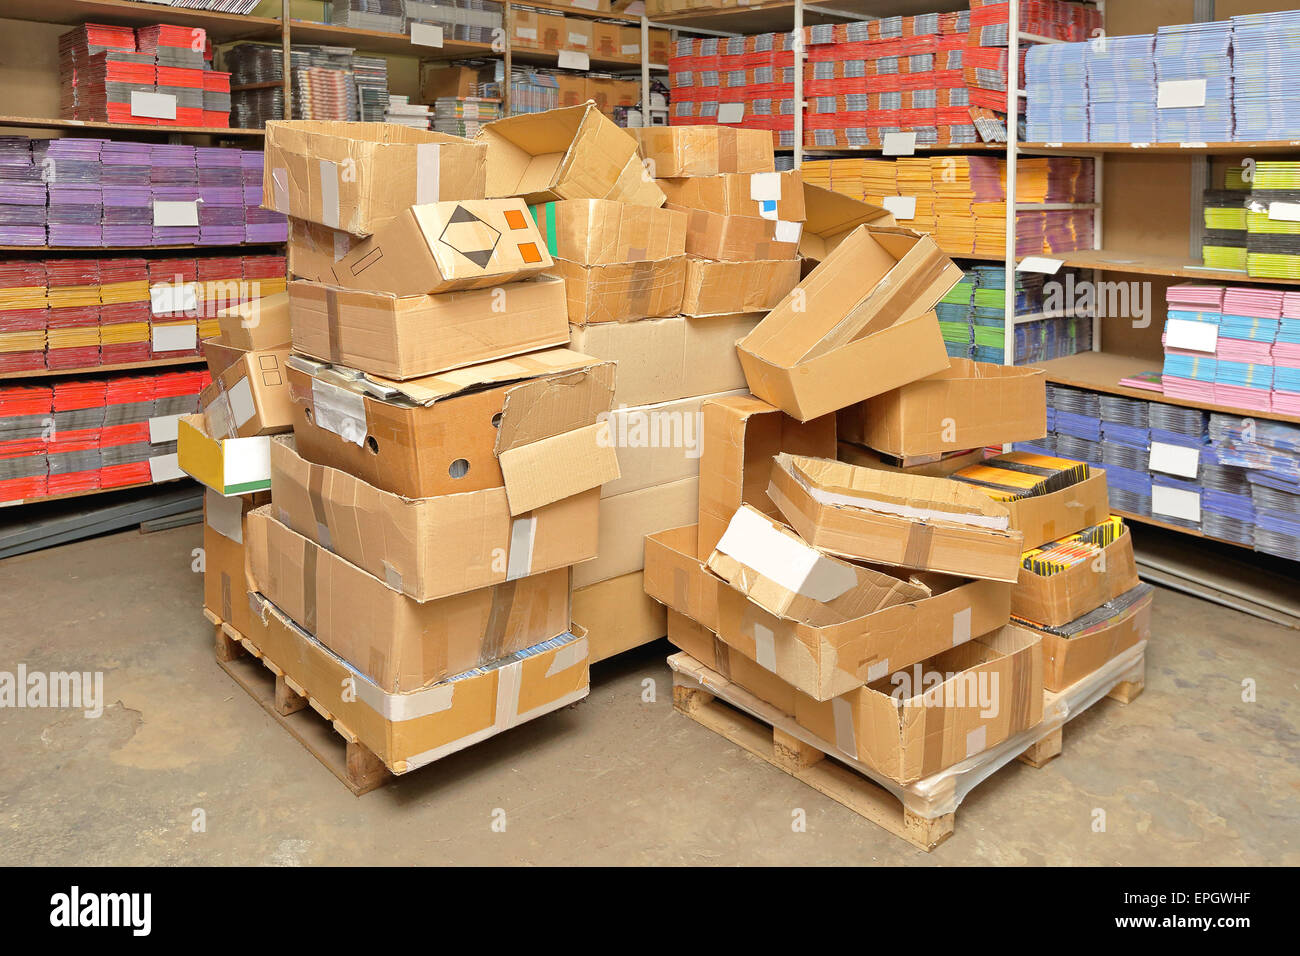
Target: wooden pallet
792, 749
312, 725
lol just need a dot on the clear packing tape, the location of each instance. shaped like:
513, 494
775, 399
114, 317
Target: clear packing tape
938, 794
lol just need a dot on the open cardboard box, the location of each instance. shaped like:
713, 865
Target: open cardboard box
674, 151
710, 235
967, 405
829, 217
724, 288
404, 337
429, 548
707, 648
938, 467
229, 466
408, 730
399, 643
933, 524
598, 231
249, 396
742, 435
530, 423
756, 195
1043, 518
1056, 599
572, 153
1067, 660
354, 176
441, 247
859, 325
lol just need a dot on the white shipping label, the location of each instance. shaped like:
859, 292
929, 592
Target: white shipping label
1175, 503
898, 144
153, 105
166, 297
339, 411
162, 428
1171, 94
176, 338
224, 515
579, 39
174, 213
788, 231
573, 60
765, 187
1041, 264
165, 468
1191, 335
426, 34
731, 112
242, 407
526, 33
903, 207
630, 49
1174, 459
1284, 211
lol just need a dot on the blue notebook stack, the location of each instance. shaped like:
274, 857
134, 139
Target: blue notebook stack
1266, 81
1056, 81
1122, 89
1192, 54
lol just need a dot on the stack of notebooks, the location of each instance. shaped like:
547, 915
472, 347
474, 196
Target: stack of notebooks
25, 412
1224, 242
1122, 90
1266, 87
464, 116
387, 16
474, 21
1196, 59
23, 194
24, 315
1056, 81
1273, 240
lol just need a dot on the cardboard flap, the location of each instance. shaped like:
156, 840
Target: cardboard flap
543, 408
830, 215
783, 567
558, 467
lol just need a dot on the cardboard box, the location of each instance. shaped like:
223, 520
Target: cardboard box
678, 151
939, 467
697, 640
429, 548
570, 89
827, 626
907, 728
250, 395
257, 324
661, 46
445, 246
934, 524
229, 466
741, 437
590, 6
551, 31
607, 43
600, 232
620, 615
1055, 599
525, 31
313, 249
658, 443
1044, 518
967, 405
629, 42
622, 291
409, 730
859, 325
225, 575
400, 644
626, 519
664, 359
830, 217
756, 195
529, 423
739, 238
448, 79
578, 35
404, 337
574, 153
1067, 660
353, 176
721, 288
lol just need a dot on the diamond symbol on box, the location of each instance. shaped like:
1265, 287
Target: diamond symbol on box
470, 236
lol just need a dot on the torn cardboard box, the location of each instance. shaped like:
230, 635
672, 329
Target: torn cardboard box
429, 548
742, 435
599, 232
408, 730
919, 721
229, 466
1068, 659
404, 337
313, 249
353, 176
250, 394
400, 644
676, 151
622, 291
1054, 600
256, 324
445, 246
626, 519
739, 238
529, 423
660, 360
621, 615
775, 196
934, 524
573, 153
1043, 518
938, 466
859, 325
725, 288
829, 217
708, 649
967, 405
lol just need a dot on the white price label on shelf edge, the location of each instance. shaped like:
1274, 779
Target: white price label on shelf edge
1043, 264
426, 34
166, 297
165, 468
898, 144
1175, 94
173, 213
1284, 211
175, 338
903, 207
153, 105
1191, 336
573, 60
162, 428
731, 112
1175, 503
1177, 460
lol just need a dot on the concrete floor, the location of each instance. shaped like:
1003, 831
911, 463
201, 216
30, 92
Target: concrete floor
1187, 774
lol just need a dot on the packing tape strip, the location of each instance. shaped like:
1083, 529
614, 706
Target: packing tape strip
916, 550
519, 562
225, 596
280, 190
315, 485
641, 284
329, 193
764, 646
878, 670
494, 635
726, 151
976, 740
428, 166
309, 620
570, 655
845, 739
509, 680
332, 323
961, 626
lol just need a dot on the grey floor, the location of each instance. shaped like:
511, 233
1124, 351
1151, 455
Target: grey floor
1187, 774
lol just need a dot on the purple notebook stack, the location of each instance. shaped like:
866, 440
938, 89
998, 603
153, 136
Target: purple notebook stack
128, 201
73, 171
221, 188
22, 194
260, 225
174, 178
